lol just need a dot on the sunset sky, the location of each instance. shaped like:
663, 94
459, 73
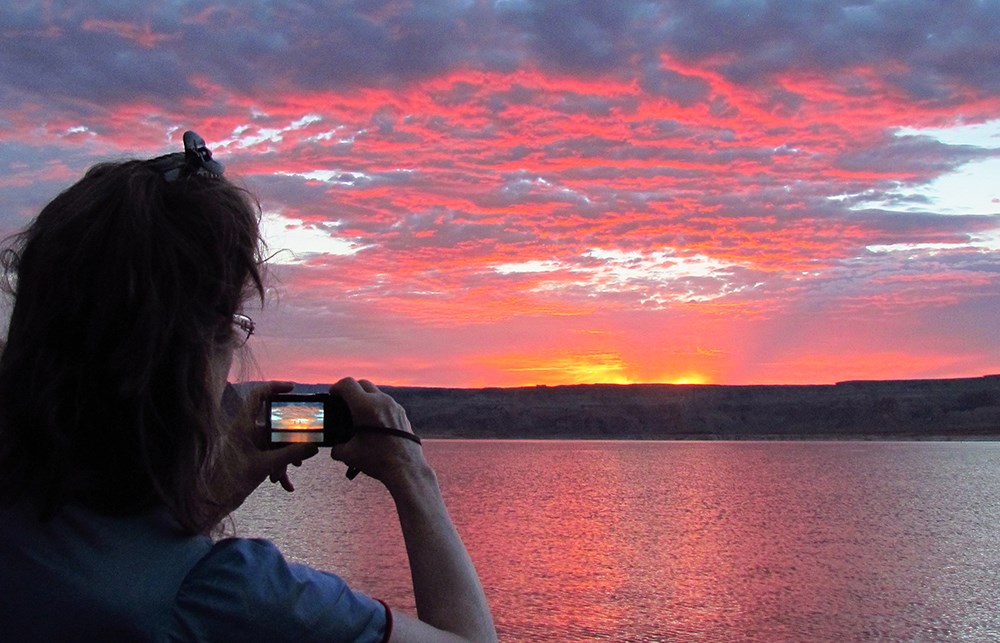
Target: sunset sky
471, 193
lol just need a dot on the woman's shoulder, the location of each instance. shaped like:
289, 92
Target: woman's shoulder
79, 571
246, 586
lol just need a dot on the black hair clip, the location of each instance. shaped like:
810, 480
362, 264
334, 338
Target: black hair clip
195, 159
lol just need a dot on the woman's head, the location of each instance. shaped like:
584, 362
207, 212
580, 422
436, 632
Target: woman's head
125, 289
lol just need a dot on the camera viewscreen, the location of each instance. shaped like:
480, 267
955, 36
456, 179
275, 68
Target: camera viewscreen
296, 421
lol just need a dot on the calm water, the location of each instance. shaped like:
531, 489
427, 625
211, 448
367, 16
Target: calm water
730, 541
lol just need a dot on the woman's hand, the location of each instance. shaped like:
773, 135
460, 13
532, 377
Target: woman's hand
383, 457
451, 604
243, 403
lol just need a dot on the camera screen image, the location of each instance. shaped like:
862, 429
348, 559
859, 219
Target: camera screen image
296, 421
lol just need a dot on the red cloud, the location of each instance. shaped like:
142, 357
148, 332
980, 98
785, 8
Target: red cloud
670, 217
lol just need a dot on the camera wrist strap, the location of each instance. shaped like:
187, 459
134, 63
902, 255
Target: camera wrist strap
399, 433
352, 473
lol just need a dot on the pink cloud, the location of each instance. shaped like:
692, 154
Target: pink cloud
679, 199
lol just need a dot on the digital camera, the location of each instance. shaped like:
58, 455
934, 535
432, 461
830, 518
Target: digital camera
320, 419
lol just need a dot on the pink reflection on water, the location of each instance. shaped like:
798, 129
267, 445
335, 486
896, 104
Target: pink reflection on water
630, 541
748, 541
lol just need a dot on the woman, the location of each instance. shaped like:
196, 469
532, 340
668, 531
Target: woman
117, 456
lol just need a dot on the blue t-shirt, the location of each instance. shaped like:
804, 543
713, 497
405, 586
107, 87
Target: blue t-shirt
85, 577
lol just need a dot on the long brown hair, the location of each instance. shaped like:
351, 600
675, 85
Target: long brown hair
124, 286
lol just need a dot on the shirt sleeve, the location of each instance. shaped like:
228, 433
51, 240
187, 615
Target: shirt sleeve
245, 590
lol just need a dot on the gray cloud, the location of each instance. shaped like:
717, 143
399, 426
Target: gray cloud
685, 89
939, 44
922, 156
104, 53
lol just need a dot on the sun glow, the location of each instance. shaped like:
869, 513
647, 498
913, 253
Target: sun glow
689, 378
568, 368
588, 367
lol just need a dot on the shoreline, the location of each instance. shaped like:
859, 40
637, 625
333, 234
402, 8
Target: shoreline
750, 438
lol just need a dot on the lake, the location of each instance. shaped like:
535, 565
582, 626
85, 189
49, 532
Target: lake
678, 541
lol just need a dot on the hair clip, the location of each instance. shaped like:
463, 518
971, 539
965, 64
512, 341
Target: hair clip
195, 159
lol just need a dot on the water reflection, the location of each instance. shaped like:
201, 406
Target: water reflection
685, 541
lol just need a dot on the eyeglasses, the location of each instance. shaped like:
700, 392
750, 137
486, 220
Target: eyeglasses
246, 325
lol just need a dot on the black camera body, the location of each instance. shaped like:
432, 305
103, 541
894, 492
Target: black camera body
320, 419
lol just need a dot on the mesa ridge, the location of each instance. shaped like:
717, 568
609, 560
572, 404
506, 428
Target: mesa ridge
942, 409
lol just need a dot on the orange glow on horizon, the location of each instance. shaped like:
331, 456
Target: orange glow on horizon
687, 378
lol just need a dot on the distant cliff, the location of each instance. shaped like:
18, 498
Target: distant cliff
906, 409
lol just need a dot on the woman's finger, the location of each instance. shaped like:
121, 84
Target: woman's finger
251, 397
348, 388
356, 393
260, 392
275, 462
278, 459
